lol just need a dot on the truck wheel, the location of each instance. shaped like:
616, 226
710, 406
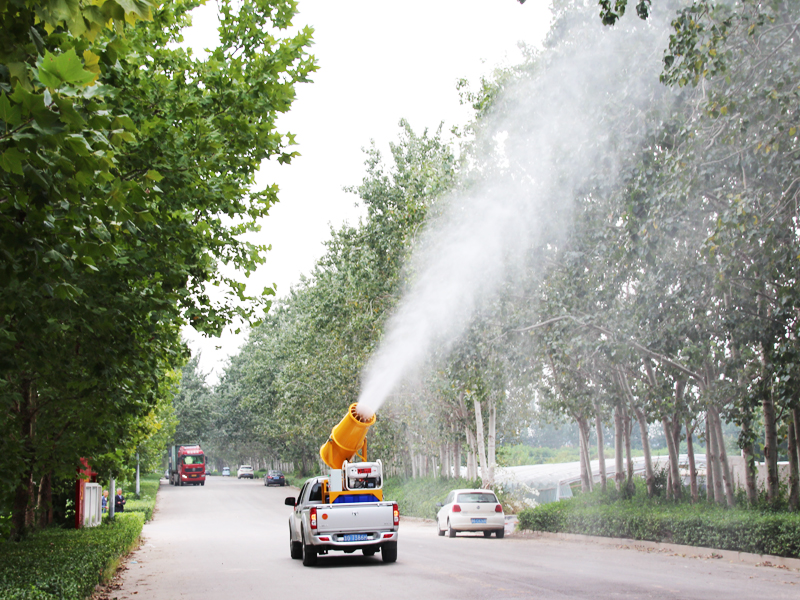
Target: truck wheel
389, 552
202, 483
500, 533
450, 531
309, 554
181, 482
295, 548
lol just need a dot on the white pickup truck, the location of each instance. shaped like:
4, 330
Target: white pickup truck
316, 528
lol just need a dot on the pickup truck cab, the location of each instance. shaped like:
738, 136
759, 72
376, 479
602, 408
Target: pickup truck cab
317, 528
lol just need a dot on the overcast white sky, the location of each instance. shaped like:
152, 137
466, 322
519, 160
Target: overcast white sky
378, 62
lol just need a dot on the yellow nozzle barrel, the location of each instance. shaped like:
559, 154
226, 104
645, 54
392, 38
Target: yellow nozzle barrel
347, 438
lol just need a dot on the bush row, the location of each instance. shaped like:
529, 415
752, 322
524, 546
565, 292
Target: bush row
146, 502
65, 563
705, 525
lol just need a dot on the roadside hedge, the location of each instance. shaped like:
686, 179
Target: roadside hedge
65, 563
146, 503
704, 525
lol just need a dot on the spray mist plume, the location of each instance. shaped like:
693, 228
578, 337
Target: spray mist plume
547, 136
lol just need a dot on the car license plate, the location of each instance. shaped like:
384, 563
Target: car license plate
477, 521
355, 537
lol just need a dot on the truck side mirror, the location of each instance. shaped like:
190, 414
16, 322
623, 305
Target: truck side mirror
289, 502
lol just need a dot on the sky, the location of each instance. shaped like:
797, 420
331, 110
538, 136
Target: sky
379, 62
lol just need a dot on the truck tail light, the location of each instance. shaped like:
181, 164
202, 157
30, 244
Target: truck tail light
498, 508
313, 517
456, 508
396, 513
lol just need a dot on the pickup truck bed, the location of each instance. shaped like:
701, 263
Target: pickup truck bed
316, 528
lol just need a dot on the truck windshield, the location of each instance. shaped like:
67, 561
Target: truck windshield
193, 460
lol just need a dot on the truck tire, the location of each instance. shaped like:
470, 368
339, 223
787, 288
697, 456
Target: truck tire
181, 484
450, 531
295, 548
309, 554
389, 552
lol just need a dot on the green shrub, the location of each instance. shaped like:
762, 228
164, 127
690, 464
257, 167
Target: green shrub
703, 524
146, 502
65, 563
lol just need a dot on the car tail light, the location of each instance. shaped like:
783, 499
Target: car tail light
456, 508
313, 517
498, 508
396, 513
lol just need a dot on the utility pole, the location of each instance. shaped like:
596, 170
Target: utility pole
112, 493
137, 474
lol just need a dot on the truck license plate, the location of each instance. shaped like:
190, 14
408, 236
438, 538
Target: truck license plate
355, 537
477, 521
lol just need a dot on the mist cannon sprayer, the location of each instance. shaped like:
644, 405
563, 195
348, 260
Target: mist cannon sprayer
351, 481
348, 439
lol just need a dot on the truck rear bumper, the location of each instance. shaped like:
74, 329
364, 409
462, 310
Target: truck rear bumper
336, 541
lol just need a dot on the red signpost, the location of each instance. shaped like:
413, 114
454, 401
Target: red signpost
84, 475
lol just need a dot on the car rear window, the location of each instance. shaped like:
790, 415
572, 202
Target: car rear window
477, 497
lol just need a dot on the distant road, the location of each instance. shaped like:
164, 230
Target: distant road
230, 540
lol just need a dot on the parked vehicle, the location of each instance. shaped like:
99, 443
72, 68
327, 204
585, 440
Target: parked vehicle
344, 510
246, 472
226, 471
274, 478
187, 465
471, 510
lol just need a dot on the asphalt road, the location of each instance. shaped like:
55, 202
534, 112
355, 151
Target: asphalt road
230, 539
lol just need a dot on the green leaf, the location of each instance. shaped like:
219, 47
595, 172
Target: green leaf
11, 161
9, 113
67, 67
154, 175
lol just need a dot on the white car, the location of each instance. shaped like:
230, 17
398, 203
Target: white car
245, 471
471, 510
226, 471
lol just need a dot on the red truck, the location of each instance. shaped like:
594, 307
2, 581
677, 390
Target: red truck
187, 465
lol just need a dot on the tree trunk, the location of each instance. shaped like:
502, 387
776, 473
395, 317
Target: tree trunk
725, 466
457, 459
481, 444
716, 465
771, 446
648, 461
675, 476
22, 509
45, 505
491, 441
619, 474
598, 425
583, 425
709, 461
794, 474
626, 423
796, 420
749, 465
692, 467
